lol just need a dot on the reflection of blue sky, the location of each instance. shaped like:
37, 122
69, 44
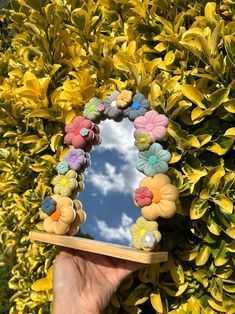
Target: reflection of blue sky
110, 183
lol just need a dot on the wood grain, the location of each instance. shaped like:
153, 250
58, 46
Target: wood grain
104, 248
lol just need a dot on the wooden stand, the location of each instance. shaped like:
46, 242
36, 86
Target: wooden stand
99, 247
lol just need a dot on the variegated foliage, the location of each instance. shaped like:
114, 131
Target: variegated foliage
181, 54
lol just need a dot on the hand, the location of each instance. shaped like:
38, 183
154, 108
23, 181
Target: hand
83, 282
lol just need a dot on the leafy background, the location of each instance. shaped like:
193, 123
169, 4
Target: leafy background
57, 54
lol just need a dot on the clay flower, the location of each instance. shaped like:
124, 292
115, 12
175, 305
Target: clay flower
48, 205
86, 164
149, 240
62, 167
139, 230
153, 123
59, 221
76, 158
138, 107
143, 196
143, 141
111, 110
65, 184
79, 218
100, 108
154, 160
91, 111
164, 197
79, 188
96, 140
80, 132
123, 99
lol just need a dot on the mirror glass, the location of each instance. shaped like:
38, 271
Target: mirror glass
110, 183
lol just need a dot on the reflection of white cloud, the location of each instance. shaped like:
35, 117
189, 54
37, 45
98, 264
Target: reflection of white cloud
117, 136
121, 233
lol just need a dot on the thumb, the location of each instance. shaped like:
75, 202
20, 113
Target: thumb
126, 268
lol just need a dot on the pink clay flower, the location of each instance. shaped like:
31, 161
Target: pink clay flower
81, 133
153, 123
143, 196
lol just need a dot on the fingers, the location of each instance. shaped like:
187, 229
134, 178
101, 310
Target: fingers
128, 267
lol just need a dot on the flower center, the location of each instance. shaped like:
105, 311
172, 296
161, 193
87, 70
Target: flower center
156, 197
147, 238
92, 108
113, 103
142, 195
83, 131
152, 160
149, 126
56, 215
73, 159
63, 181
135, 105
76, 131
142, 140
142, 232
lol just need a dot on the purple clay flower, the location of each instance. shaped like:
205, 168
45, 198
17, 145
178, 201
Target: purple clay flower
86, 164
75, 158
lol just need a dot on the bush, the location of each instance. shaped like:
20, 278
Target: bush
178, 53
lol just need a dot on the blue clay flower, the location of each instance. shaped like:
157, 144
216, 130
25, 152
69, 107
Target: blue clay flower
154, 160
138, 107
62, 167
48, 205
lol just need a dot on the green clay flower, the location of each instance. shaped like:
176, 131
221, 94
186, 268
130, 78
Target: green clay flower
145, 234
143, 141
65, 184
79, 188
91, 111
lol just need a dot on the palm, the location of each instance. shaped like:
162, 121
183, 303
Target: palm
89, 277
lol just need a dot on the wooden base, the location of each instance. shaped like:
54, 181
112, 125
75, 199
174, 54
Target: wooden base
119, 251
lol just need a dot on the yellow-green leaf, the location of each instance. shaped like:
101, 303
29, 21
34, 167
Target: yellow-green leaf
155, 299
224, 203
203, 255
198, 208
193, 94
231, 232
55, 140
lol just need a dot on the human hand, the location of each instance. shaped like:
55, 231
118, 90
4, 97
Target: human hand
84, 282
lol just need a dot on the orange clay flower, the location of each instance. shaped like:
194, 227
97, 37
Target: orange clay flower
59, 221
123, 99
164, 197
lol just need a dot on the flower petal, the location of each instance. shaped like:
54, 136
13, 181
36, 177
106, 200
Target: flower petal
169, 192
60, 228
164, 155
151, 212
67, 214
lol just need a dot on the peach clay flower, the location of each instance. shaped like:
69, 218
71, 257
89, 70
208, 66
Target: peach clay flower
65, 184
164, 198
59, 221
78, 220
123, 99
